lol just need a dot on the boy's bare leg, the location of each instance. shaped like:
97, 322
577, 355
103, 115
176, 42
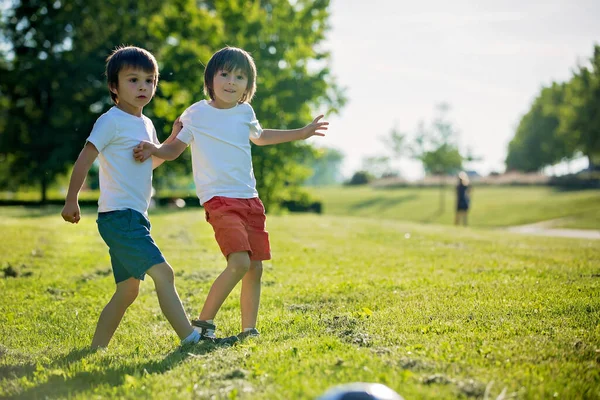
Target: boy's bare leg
237, 266
113, 312
250, 296
170, 303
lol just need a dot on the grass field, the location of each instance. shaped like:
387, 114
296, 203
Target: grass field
431, 311
492, 206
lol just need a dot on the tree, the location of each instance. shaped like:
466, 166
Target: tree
563, 121
293, 79
53, 78
537, 143
396, 143
377, 166
52, 75
437, 148
326, 167
580, 114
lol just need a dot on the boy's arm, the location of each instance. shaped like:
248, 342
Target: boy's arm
177, 126
71, 212
276, 136
165, 151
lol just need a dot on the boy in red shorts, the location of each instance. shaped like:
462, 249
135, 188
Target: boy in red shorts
219, 133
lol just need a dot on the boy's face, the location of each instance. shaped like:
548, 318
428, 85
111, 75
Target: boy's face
229, 87
135, 89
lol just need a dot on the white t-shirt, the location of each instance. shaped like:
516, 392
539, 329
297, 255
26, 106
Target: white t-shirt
124, 182
221, 158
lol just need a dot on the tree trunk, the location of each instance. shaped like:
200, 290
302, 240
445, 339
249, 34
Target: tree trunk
442, 193
44, 188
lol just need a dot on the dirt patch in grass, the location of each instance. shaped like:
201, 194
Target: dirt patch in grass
350, 330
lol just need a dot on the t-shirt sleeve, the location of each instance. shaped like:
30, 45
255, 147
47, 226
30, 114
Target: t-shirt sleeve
185, 135
255, 128
103, 132
154, 135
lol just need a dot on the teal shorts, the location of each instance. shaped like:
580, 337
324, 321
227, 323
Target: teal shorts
132, 250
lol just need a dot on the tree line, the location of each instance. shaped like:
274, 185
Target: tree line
52, 57
562, 123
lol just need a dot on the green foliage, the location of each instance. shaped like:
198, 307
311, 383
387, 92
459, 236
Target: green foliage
580, 115
293, 79
437, 149
53, 86
436, 314
537, 143
326, 167
563, 121
360, 178
377, 166
437, 146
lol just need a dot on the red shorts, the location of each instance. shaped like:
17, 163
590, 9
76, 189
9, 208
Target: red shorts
239, 225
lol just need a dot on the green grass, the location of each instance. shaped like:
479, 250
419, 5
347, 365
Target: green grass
431, 311
492, 206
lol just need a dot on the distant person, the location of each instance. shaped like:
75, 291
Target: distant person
463, 199
125, 186
219, 131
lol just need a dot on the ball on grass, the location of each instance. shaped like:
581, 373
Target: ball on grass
360, 391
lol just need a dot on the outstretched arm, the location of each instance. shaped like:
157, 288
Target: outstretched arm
71, 212
276, 136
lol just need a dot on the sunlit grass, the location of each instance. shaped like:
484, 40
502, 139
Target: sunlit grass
491, 206
431, 311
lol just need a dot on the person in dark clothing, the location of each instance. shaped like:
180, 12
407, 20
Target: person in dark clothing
462, 199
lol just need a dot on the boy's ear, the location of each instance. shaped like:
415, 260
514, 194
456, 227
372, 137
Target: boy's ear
113, 88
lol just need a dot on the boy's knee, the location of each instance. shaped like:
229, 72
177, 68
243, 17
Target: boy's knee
256, 267
239, 262
162, 272
128, 291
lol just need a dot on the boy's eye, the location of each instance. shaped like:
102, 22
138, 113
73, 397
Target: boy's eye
223, 74
133, 80
240, 77
149, 80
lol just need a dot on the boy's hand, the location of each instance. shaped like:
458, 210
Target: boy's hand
177, 127
71, 212
315, 128
143, 151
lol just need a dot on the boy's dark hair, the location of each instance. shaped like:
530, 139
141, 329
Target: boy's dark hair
229, 59
128, 56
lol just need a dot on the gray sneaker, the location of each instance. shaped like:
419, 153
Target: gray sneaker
247, 334
203, 327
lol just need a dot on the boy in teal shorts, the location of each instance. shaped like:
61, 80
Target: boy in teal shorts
125, 192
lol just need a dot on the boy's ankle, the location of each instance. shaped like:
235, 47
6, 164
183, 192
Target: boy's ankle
206, 329
247, 333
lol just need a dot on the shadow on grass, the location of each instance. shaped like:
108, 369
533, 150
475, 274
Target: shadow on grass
61, 383
28, 368
383, 202
432, 217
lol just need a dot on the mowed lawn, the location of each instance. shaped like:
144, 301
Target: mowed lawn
434, 312
492, 206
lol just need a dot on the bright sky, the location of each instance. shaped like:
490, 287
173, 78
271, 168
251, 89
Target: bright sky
488, 59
